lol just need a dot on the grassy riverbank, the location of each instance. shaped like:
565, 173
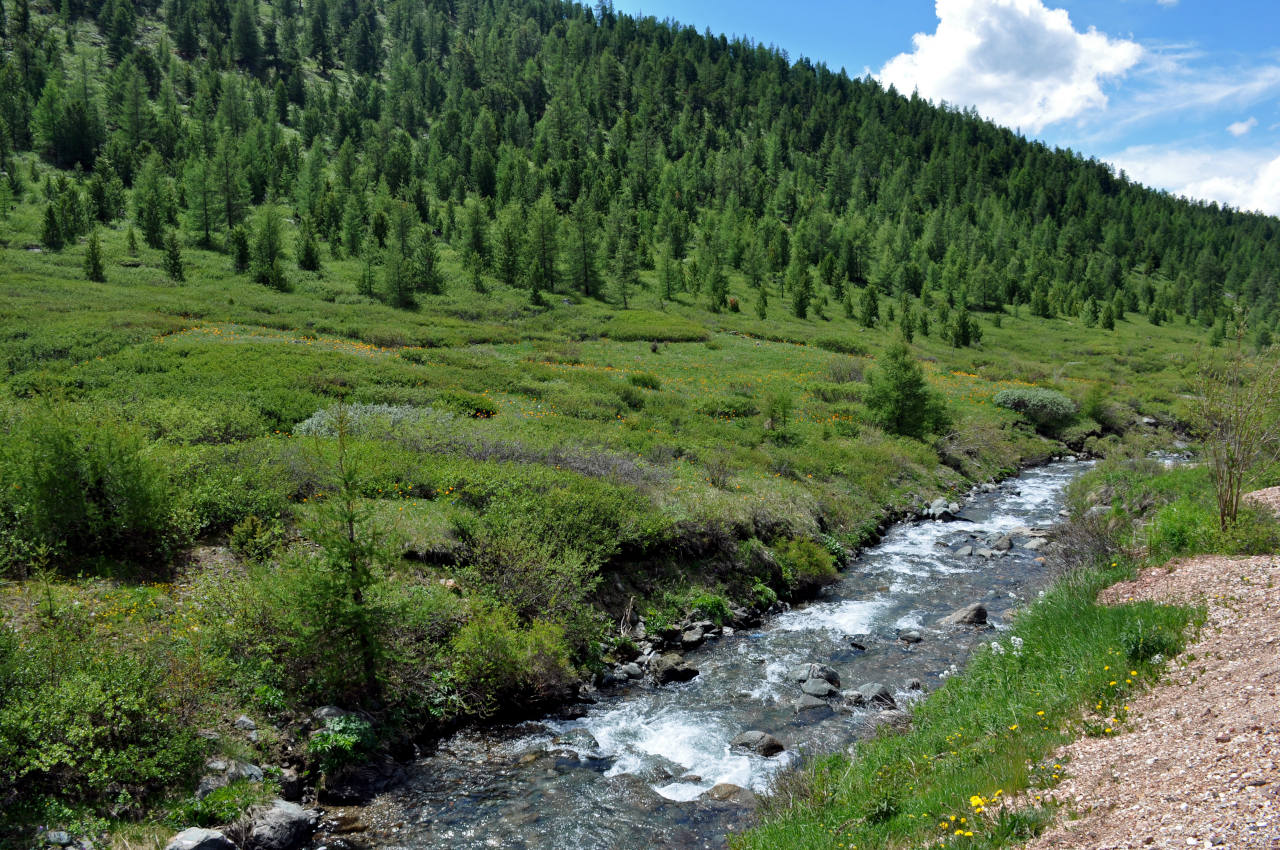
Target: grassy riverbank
975, 770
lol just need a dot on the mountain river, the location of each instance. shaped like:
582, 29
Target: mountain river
634, 772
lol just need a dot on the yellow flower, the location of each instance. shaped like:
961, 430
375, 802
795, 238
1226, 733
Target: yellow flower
1013, 727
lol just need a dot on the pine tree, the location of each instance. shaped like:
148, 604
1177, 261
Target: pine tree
173, 257
899, 399
238, 245
308, 250
131, 241
203, 209
93, 269
246, 43
425, 270
268, 249
869, 307
51, 232
153, 202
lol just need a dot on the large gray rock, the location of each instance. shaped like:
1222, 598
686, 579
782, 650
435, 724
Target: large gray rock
284, 826
671, 667
200, 839
818, 687
758, 742
328, 712
815, 671
245, 723
692, 637
972, 615
811, 705
1003, 544
910, 636
878, 695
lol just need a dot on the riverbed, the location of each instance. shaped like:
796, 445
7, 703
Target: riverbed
636, 770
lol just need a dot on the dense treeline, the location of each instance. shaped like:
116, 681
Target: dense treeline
561, 147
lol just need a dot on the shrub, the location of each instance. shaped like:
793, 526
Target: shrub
343, 741
1183, 527
646, 380
635, 325
85, 488
806, 565
1047, 409
500, 665
469, 404
219, 807
711, 606
631, 397
840, 345
255, 539
728, 408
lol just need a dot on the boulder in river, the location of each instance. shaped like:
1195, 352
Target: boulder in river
811, 706
671, 667
758, 742
964, 551
815, 671
972, 615
727, 792
878, 695
818, 687
283, 826
910, 636
692, 637
200, 839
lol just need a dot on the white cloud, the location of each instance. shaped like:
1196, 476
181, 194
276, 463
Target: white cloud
1019, 62
1244, 179
1241, 128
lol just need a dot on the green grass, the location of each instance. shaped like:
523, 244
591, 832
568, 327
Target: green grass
978, 756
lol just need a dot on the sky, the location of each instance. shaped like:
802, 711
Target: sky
1182, 95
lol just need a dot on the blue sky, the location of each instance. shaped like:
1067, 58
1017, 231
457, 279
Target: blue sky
1183, 95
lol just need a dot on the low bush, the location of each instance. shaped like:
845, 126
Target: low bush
806, 565
502, 666
646, 380
841, 345
637, 325
710, 606
343, 741
74, 488
1045, 408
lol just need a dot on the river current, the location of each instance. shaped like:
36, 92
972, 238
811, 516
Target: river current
634, 772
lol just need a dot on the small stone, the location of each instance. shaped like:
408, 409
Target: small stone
200, 839
726, 792
910, 636
245, 723
877, 694
631, 671
328, 712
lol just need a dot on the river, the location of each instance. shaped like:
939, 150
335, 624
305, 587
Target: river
634, 771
